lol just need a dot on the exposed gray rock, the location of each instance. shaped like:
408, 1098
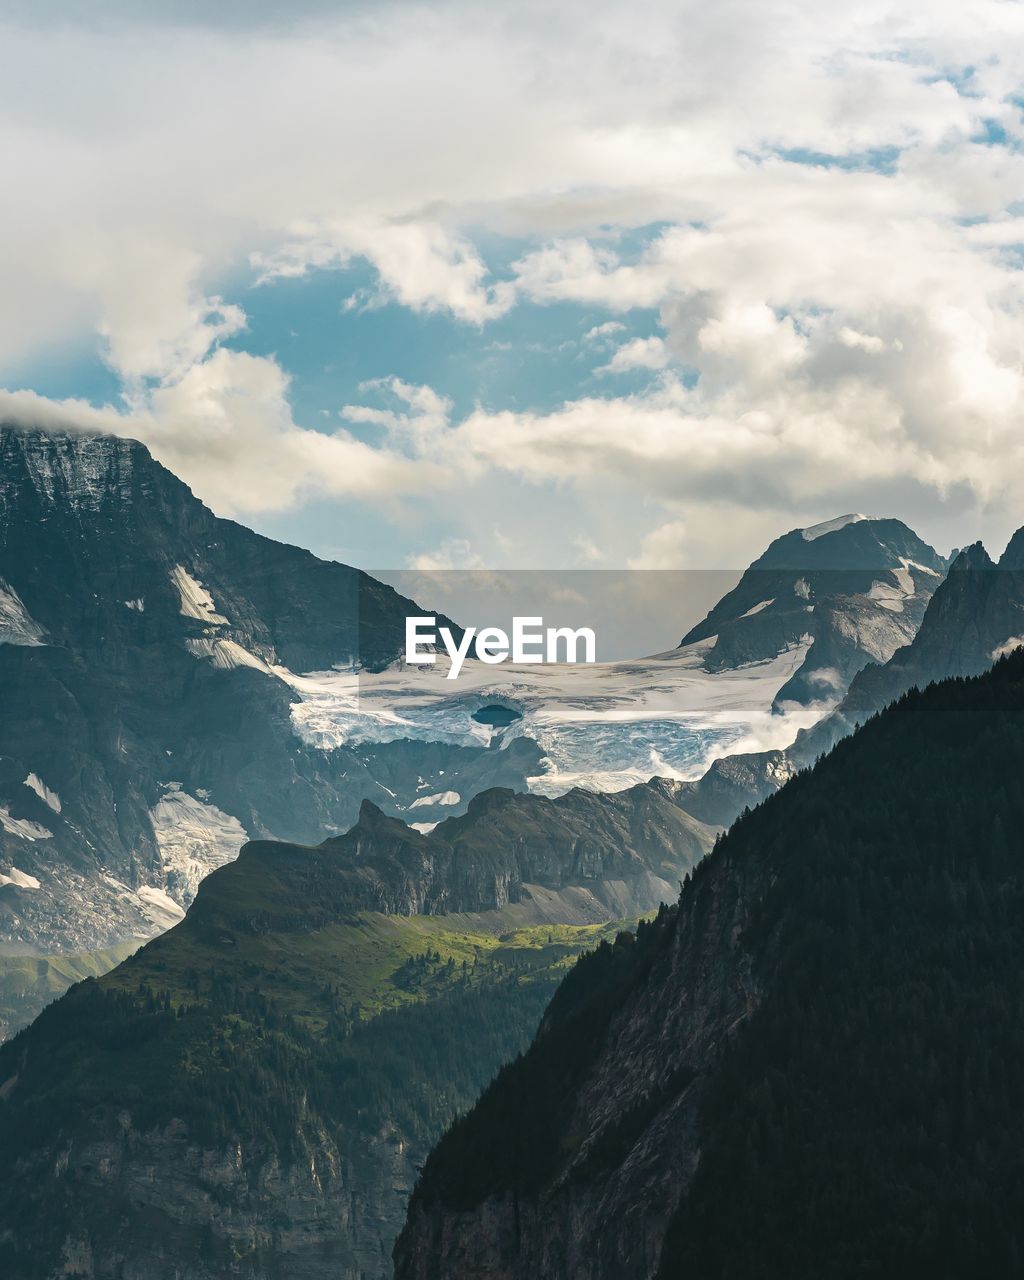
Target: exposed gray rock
856, 587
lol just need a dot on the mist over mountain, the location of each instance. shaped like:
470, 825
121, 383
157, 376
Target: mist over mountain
811, 1065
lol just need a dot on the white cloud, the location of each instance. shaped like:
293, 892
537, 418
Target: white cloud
663, 548
226, 428
865, 341
420, 264
640, 353
453, 553
848, 329
589, 551
603, 332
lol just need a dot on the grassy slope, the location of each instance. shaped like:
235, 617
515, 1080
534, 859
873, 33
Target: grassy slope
359, 968
29, 983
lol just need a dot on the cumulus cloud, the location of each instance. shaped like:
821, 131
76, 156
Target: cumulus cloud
663, 548
836, 265
604, 332
640, 353
226, 428
419, 264
453, 553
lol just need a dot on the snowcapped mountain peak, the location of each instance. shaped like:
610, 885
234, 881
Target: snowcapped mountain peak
831, 526
858, 585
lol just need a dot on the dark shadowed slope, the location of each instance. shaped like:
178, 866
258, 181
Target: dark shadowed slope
812, 1067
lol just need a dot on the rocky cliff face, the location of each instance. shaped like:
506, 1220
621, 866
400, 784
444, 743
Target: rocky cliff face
613, 856
252, 1093
778, 1077
976, 617
146, 658
649, 1016
857, 587
623, 1118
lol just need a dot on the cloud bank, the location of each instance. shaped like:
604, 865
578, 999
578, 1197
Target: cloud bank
821, 207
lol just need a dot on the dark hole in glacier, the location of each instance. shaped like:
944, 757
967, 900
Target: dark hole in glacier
497, 715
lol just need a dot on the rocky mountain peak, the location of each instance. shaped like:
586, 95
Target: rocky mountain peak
71, 470
1013, 556
144, 650
973, 557
851, 590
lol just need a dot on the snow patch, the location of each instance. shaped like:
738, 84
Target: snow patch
831, 526
22, 827
196, 601
16, 625
36, 784
159, 907
757, 608
905, 579
441, 797
225, 655
424, 828
802, 589
21, 879
194, 838
892, 597
886, 596
138, 606
921, 568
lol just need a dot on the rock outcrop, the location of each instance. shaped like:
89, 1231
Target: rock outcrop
856, 587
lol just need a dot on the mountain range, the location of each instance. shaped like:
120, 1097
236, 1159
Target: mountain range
253, 1091
856, 588
973, 617
159, 712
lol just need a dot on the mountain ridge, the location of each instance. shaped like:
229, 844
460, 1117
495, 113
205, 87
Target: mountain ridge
320, 1008
146, 657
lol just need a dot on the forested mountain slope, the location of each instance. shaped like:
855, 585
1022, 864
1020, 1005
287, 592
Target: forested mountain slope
811, 1066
